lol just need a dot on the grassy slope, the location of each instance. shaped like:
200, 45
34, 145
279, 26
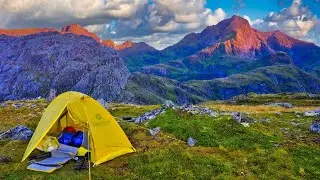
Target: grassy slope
225, 149
270, 79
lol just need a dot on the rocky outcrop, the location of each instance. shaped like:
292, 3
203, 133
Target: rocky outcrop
315, 127
17, 133
79, 30
32, 65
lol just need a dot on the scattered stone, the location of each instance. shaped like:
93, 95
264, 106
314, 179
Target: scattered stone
5, 159
17, 105
243, 119
153, 132
315, 112
278, 113
298, 124
168, 104
17, 133
191, 142
148, 115
4, 104
315, 127
126, 118
198, 110
265, 120
276, 145
281, 104
103, 103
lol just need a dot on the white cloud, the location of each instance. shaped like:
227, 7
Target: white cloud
56, 13
255, 22
156, 40
296, 20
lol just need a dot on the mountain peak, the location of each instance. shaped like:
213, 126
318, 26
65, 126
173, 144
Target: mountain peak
25, 31
79, 30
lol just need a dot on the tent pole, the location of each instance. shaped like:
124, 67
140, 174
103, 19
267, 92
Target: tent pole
89, 155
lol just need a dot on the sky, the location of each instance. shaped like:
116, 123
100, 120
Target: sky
161, 23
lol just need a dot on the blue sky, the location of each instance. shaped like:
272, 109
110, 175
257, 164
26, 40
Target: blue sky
258, 8
162, 23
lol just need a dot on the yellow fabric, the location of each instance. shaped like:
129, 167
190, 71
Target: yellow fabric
82, 151
106, 138
48, 143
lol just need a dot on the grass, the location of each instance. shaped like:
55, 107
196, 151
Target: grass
225, 149
212, 132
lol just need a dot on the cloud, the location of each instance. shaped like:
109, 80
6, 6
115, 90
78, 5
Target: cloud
171, 17
296, 20
156, 40
56, 13
253, 23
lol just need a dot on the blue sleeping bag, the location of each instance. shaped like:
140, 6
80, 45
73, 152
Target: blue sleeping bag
77, 139
66, 138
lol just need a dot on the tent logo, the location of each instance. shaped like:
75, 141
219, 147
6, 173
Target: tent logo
98, 117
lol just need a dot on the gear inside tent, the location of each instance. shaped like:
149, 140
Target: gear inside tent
81, 124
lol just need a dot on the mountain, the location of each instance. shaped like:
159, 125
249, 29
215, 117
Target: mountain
150, 89
32, 65
214, 67
265, 80
25, 32
234, 36
230, 47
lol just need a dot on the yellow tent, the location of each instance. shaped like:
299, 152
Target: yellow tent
106, 138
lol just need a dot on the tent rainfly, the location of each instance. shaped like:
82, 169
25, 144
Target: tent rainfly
106, 138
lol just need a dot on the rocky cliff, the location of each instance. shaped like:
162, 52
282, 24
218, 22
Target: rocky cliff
32, 65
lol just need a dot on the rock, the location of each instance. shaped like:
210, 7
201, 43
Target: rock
243, 119
153, 132
315, 112
126, 118
198, 110
168, 104
17, 105
5, 159
281, 104
2, 105
278, 113
30, 66
148, 115
266, 120
191, 142
17, 133
315, 127
103, 103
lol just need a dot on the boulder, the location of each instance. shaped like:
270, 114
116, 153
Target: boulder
315, 112
153, 132
315, 127
168, 104
148, 115
17, 133
191, 142
281, 104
